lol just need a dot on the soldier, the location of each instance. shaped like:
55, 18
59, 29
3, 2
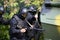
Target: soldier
32, 22
1, 13
2, 21
31, 14
18, 26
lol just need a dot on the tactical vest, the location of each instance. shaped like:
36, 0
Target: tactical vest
20, 22
19, 25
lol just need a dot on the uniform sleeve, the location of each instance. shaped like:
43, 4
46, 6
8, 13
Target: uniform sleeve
13, 29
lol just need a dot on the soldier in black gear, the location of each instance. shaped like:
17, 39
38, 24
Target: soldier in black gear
18, 26
1, 13
2, 21
32, 20
31, 14
32, 10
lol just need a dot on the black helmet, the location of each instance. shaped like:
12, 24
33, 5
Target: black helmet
32, 9
1, 9
24, 12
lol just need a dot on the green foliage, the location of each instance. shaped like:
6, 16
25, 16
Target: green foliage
4, 33
1, 2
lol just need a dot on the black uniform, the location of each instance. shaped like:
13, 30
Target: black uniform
32, 33
32, 20
16, 24
2, 21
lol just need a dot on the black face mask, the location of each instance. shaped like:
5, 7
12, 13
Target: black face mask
20, 16
32, 12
